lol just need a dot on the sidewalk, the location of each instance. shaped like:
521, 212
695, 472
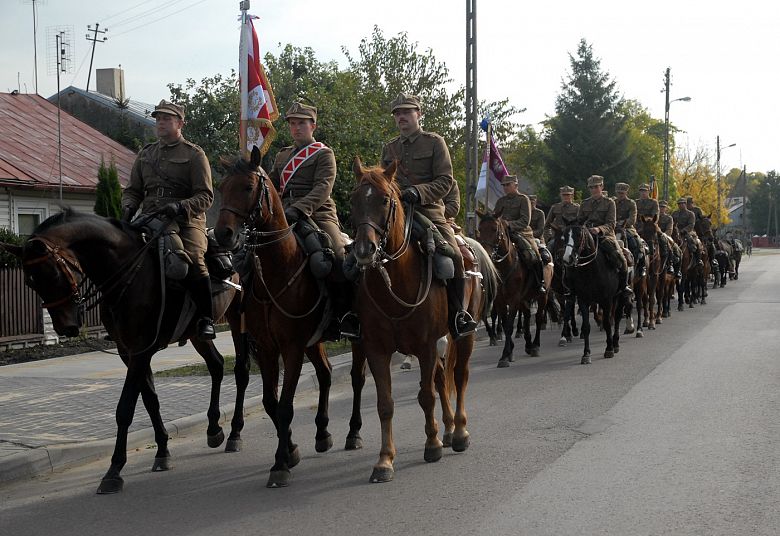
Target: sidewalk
60, 412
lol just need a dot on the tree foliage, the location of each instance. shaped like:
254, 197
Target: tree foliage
764, 203
108, 201
9, 237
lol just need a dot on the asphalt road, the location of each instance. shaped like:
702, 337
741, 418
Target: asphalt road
676, 435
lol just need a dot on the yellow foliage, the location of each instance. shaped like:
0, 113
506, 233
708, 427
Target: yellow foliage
693, 176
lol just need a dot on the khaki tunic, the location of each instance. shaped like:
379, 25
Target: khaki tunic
684, 219
600, 214
179, 172
666, 223
554, 221
696, 212
452, 202
309, 189
625, 213
646, 207
537, 223
515, 208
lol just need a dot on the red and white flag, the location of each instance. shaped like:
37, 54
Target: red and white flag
258, 106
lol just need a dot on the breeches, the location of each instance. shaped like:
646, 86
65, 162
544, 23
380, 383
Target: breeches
449, 235
615, 252
334, 232
195, 244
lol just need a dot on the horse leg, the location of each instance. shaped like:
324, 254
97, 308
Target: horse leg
442, 387
241, 374
541, 314
508, 323
460, 354
520, 328
570, 304
585, 312
428, 362
611, 315
641, 312
319, 359
380, 370
358, 375
526, 315
216, 365
287, 454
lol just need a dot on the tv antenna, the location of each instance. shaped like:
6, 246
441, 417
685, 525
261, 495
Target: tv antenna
35, 3
60, 39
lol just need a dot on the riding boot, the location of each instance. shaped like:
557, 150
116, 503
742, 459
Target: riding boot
624, 276
346, 322
204, 308
540, 277
461, 322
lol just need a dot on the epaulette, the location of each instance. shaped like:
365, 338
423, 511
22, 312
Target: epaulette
148, 145
394, 140
193, 145
427, 134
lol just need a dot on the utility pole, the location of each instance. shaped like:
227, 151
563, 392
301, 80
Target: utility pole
717, 174
744, 200
472, 121
94, 38
666, 137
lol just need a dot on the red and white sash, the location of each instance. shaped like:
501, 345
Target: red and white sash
295, 162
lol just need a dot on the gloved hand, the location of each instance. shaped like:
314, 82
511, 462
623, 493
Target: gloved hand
172, 210
410, 195
127, 213
293, 215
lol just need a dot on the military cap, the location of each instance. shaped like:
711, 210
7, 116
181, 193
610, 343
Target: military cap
689, 199
682, 200
532, 197
645, 187
595, 180
566, 190
404, 100
621, 187
663, 204
166, 107
300, 110
509, 179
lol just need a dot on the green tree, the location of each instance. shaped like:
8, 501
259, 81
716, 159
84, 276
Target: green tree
9, 237
646, 144
764, 203
589, 134
109, 193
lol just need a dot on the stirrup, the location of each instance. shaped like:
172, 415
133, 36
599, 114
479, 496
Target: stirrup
464, 323
206, 329
349, 326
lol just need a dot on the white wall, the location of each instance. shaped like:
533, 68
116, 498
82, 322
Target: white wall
5, 209
44, 204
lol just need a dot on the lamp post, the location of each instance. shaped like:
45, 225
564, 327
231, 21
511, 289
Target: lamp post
667, 79
717, 171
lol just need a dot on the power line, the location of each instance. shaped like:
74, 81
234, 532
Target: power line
109, 17
159, 18
144, 14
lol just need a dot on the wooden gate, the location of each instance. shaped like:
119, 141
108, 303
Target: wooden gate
20, 306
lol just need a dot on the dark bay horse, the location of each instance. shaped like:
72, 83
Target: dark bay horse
283, 306
516, 291
656, 268
561, 292
403, 308
594, 281
68, 250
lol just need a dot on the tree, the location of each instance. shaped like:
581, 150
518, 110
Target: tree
9, 237
765, 205
589, 133
645, 143
109, 193
694, 176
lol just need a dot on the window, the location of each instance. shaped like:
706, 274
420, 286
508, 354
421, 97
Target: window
28, 223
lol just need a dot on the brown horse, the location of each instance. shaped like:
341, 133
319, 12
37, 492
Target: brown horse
647, 228
517, 290
403, 308
283, 306
70, 249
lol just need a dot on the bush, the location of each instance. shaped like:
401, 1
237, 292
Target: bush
9, 237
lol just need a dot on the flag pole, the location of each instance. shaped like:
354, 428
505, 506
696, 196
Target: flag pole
243, 77
489, 151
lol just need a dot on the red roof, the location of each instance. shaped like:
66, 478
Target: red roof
28, 147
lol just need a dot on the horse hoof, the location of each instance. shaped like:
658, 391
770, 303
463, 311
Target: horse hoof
639, 335
294, 457
381, 474
690, 306
627, 331
279, 479
609, 354
433, 454
680, 308
562, 342
446, 440
652, 326
233, 445
535, 352
460, 444
582, 336
323, 445
109, 486
215, 440
585, 360
575, 332
645, 324
529, 351
503, 363
161, 464
353, 443
703, 301
492, 342
568, 339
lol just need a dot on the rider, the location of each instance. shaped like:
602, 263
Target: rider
565, 209
425, 176
690, 205
665, 220
172, 177
304, 174
515, 208
625, 216
598, 213
685, 220
666, 226
537, 220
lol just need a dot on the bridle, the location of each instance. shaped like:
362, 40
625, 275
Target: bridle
66, 265
584, 237
501, 240
383, 230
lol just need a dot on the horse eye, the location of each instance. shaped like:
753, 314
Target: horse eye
386, 200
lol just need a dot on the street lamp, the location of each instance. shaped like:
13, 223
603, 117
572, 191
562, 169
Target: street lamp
717, 171
666, 133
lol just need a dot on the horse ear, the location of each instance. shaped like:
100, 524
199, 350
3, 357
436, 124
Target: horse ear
256, 157
13, 249
357, 168
390, 170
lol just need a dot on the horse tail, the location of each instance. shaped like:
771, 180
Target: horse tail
489, 276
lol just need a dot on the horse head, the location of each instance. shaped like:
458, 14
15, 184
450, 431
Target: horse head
494, 236
577, 242
703, 227
377, 213
247, 199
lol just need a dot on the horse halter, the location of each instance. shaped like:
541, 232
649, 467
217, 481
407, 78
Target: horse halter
257, 211
65, 264
501, 239
383, 231
584, 237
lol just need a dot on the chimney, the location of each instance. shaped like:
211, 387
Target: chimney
110, 82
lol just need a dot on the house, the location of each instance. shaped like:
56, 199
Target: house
31, 185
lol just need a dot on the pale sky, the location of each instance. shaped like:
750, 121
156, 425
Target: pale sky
724, 55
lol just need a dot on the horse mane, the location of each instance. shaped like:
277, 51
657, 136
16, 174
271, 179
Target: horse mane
70, 215
236, 164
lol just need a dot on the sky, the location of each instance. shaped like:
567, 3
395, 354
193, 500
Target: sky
723, 55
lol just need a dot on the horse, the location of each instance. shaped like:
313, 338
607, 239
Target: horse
638, 285
284, 306
140, 312
595, 281
687, 269
516, 291
403, 308
562, 293
655, 265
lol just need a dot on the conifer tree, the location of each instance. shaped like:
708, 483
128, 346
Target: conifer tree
109, 192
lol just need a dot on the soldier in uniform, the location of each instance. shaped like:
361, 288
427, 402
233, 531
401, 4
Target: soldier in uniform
425, 176
537, 220
172, 177
645, 206
665, 220
515, 208
306, 198
666, 226
598, 214
566, 209
625, 216
690, 205
684, 219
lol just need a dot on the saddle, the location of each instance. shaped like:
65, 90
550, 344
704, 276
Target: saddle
431, 242
317, 245
174, 260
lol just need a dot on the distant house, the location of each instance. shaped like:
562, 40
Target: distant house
30, 180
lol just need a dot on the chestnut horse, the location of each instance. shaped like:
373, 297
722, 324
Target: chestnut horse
403, 308
283, 305
516, 291
648, 229
69, 250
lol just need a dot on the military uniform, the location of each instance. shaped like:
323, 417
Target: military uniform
666, 223
600, 214
537, 221
646, 207
177, 175
452, 202
685, 220
558, 212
